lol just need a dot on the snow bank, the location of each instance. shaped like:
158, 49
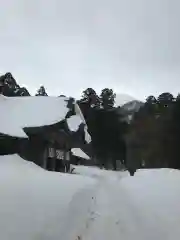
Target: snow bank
154, 196
21, 112
96, 172
35, 203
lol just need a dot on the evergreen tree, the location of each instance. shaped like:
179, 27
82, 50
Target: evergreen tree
90, 98
175, 136
104, 125
41, 91
165, 99
151, 100
151, 134
107, 98
22, 92
178, 97
10, 88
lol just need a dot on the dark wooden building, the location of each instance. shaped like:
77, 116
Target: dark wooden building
49, 146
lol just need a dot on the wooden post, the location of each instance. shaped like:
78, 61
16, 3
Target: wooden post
45, 155
54, 160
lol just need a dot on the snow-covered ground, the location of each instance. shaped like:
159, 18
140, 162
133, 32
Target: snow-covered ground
37, 204
93, 204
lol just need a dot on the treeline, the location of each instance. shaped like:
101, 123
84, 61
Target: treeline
105, 126
153, 139
9, 87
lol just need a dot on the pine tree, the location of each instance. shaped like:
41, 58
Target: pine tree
165, 99
10, 88
151, 100
41, 91
107, 98
23, 92
90, 98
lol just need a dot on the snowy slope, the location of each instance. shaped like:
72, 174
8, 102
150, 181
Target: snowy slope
98, 205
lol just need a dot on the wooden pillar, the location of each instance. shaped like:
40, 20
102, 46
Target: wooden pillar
45, 156
54, 160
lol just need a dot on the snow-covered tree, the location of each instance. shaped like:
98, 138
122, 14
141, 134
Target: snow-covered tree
41, 91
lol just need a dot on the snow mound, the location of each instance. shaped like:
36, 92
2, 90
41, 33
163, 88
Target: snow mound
34, 202
154, 196
79, 153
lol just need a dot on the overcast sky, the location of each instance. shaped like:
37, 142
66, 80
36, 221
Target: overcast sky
131, 46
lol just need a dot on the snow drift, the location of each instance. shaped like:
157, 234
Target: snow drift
34, 202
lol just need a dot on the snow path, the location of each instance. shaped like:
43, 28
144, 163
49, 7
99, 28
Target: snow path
116, 218
109, 217
115, 212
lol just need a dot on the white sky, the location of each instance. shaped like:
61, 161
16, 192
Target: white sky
130, 46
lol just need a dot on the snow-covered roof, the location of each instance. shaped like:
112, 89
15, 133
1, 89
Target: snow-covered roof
79, 153
75, 120
78, 112
18, 113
